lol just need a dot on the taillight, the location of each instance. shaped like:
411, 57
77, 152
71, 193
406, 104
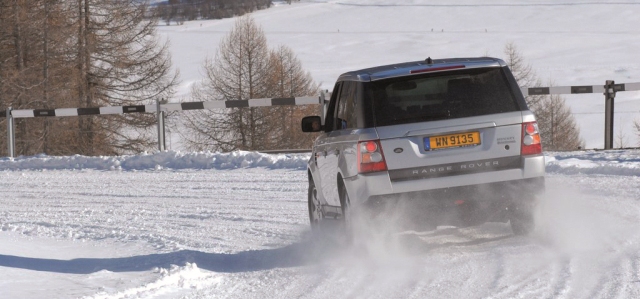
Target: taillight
531, 144
370, 157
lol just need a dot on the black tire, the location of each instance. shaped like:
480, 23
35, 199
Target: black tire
347, 222
316, 214
345, 205
522, 221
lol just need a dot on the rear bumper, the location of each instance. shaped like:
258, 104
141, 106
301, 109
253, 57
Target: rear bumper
460, 206
509, 192
529, 172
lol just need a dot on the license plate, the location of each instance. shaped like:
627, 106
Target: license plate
453, 140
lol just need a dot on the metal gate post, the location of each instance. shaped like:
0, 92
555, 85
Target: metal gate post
161, 143
609, 96
11, 138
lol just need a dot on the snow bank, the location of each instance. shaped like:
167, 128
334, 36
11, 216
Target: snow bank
170, 282
158, 161
613, 162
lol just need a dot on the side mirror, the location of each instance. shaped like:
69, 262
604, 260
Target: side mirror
311, 124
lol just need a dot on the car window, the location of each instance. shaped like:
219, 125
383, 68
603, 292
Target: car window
442, 95
347, 107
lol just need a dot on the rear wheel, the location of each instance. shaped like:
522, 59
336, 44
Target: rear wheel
346, 221
345, 205
316, 214
326, 230
521, 220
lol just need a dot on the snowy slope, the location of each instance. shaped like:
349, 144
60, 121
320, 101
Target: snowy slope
575, 42
205, 225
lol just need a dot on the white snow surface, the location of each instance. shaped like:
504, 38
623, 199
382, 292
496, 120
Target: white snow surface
567, 42
235, 225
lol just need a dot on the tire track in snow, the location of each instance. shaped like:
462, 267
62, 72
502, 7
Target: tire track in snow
635, 277
535, 274
620, 279
498, 273
562, 278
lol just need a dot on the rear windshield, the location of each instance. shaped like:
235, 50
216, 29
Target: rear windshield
442, 95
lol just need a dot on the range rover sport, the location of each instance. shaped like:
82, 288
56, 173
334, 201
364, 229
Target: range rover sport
449, 137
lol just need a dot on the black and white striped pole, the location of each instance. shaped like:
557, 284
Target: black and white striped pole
11, 139
609, 97
161, 142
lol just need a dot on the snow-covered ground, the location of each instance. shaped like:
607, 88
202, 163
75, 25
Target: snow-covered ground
204, 225
211, 225
572, 42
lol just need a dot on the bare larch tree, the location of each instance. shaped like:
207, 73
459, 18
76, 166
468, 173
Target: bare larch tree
557, 125
288, 79
81, 53
243, 69
120, 61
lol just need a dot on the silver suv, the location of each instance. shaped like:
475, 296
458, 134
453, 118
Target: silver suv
452, 139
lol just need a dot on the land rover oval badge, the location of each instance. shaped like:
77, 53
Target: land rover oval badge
398, 150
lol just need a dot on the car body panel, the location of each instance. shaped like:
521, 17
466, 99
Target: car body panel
412, 168
494, 137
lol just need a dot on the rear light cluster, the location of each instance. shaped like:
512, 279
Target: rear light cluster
531, 144
370, 157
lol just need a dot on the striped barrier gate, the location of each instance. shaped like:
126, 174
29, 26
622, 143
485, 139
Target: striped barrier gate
163, 107
158, 108
531, 91
609, 89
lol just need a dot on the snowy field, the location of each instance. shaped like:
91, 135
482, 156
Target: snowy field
203, 225
209, 225
570, 42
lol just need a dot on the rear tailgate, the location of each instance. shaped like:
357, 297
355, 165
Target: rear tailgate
452, 147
